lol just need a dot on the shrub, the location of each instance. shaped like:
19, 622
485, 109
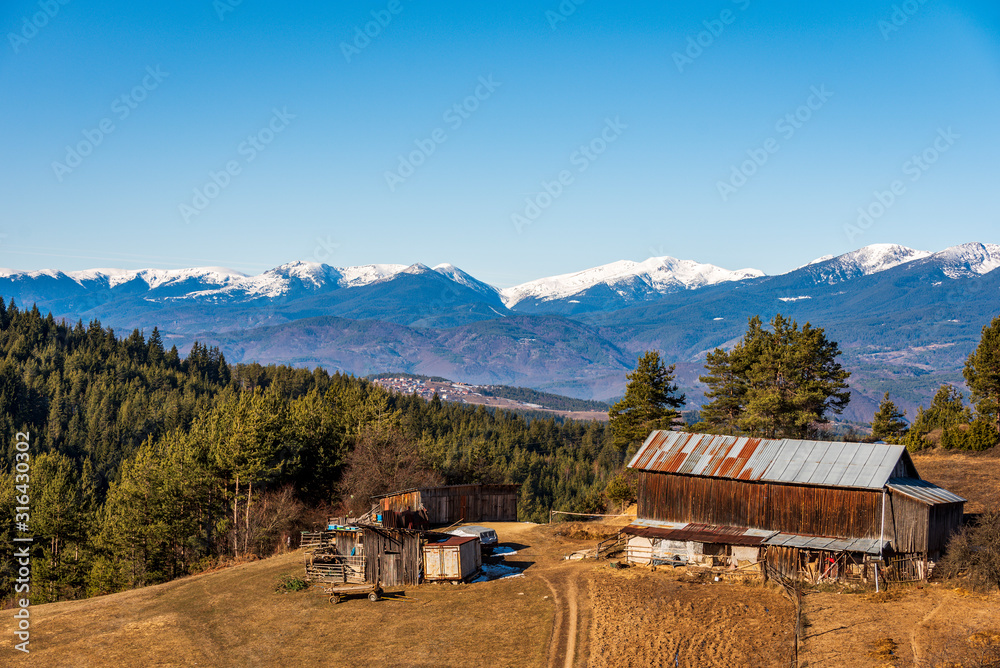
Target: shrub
974, 552
290, 583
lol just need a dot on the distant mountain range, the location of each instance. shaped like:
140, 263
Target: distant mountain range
906, 319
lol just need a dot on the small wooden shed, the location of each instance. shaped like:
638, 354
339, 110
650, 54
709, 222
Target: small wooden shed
456, 558
452, 503
390, 557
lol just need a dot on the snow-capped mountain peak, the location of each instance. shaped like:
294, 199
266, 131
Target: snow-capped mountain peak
968, 260
352, 277
659, 275
862, 262
455, 274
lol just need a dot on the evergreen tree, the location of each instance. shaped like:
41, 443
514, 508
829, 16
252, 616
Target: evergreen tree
888, 423
777, 383
982, 374
651, 401
942, 422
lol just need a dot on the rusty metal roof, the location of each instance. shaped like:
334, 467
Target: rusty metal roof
699, 533
452, 541
924, 491
866, 545
834, 464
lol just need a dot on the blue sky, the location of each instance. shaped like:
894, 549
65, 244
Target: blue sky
312, 122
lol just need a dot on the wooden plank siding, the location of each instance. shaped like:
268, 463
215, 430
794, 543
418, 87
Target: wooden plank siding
945, 519
815, 511
392, 557
920, 527
906, 521
459, 503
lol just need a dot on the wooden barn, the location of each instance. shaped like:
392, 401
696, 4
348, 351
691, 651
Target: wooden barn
451, 504
807, 509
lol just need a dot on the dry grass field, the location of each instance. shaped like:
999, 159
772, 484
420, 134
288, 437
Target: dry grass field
658, 619
926, 626
560, 613
972, 475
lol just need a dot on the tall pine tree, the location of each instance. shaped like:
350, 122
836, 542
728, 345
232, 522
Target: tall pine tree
651, 401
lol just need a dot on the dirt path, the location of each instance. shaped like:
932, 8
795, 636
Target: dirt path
565, 629
570, 628
917, 658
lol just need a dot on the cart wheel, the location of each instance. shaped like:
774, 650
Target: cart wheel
374, 596
335, 599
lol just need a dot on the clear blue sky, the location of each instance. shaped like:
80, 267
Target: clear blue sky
319, 190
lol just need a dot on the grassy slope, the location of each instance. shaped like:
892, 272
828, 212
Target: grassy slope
974, 476
233, 618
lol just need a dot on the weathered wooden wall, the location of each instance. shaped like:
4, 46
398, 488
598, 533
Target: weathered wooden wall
945, 521
392, 557
906, 523
815, 511
458, 503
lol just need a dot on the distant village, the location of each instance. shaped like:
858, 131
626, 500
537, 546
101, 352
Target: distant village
461, 393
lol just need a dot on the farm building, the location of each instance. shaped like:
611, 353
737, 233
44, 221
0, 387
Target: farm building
366, 553
455, 558
450, 504
804, 508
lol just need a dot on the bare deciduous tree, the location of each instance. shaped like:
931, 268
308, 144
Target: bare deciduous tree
383, 460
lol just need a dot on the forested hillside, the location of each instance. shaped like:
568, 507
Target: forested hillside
145, 466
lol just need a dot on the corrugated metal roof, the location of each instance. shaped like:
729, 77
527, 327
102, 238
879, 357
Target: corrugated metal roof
699, 533
450, 542
921, 490
833, 464
866, 545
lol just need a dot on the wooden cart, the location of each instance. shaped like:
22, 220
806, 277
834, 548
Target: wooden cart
337, 592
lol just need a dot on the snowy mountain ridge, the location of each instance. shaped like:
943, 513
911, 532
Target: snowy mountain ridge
660, 275
623, 282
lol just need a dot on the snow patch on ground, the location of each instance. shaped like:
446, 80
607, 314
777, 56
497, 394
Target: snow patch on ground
498, 572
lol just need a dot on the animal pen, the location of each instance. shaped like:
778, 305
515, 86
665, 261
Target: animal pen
792, 509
